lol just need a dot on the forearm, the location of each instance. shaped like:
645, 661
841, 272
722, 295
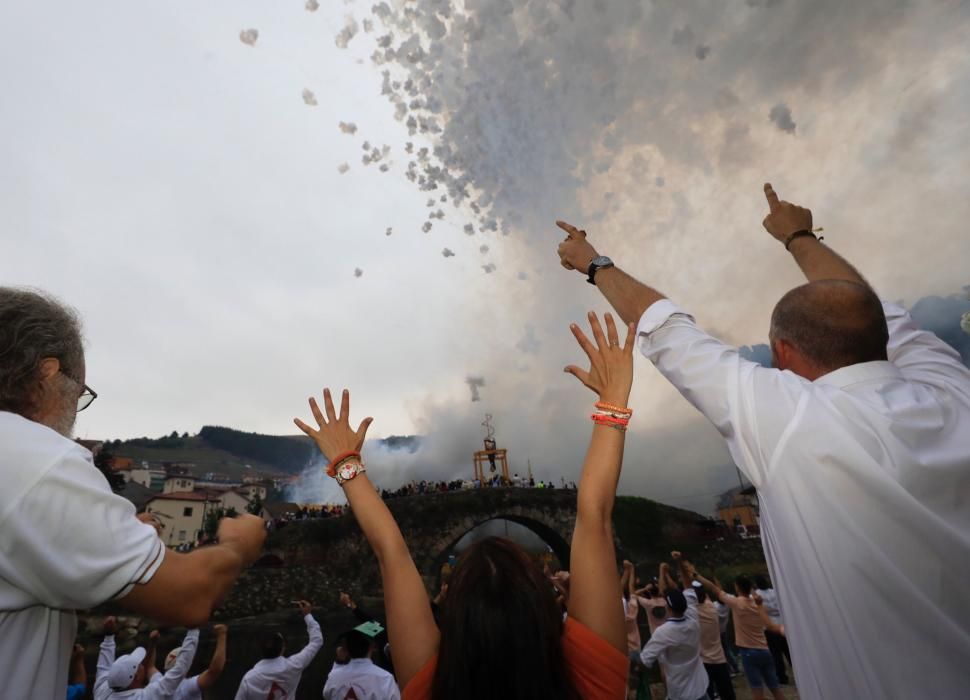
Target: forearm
601, 473
819, 262
376, 521
629, 297
218, 661
79, 674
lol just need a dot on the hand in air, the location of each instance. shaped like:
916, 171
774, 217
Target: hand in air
346, 600
784, 218
575, 253
305, 607
110, 625
611, 365
334, 435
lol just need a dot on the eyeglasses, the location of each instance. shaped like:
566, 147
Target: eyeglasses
88, 395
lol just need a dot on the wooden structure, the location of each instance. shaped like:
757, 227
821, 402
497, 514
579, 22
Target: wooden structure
483, 457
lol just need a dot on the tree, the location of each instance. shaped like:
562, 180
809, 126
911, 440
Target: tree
255, 506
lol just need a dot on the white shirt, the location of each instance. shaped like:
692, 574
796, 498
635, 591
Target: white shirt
160, 686
362, 676
769, 598
723, 615
68, 543
676, 644
863, 478
188, 690
277, 679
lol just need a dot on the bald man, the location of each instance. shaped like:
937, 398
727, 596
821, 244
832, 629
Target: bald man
858, 441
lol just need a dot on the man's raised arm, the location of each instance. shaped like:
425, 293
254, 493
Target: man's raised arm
629, 297
791, 226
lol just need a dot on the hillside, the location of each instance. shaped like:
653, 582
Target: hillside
231, 452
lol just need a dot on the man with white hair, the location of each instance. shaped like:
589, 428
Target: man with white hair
68, 542
134, 676
857, 442
194, 687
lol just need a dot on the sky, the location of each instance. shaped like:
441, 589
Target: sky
196, 198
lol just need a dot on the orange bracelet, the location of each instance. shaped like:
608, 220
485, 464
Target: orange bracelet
614, 409
334, 463
609, 420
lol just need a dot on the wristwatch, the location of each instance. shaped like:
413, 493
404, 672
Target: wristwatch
348, 470
598, 263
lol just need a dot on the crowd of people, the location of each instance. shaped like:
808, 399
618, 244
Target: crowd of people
855, 439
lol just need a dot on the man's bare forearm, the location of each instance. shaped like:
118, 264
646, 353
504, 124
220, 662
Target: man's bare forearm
628, 296
819, 262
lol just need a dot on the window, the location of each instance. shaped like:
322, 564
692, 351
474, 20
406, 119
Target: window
187, 512
181, 535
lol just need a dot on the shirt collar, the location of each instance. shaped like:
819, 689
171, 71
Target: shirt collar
845, 377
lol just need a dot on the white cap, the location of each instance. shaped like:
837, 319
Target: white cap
172, 657
696, 584
123, 670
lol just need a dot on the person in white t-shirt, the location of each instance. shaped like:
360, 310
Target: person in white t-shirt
360, 677
676, 645
276, 676
857, 442
134, 676
69, 542
194, 687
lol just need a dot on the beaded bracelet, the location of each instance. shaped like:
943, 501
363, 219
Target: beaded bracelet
614, 409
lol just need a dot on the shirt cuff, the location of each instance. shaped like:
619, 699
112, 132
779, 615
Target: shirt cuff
657, 314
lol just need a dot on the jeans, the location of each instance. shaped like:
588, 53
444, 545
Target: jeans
719, 676
759, 668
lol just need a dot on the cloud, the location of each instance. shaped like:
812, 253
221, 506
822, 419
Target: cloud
309, 98
780, 116
347, 127
347, 33
312, 5
702, 52
447, 252
358, 272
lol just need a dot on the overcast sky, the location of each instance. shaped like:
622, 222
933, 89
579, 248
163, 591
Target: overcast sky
171, 182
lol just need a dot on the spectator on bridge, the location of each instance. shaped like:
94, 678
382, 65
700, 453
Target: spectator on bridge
134, 676
502, 634
194, 688
277, 675
69, 542
360, 677
857, 443
776, 642
750, 621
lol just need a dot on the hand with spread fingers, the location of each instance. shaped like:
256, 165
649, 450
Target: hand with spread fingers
575, 253
610, 374
333, 435
785, 218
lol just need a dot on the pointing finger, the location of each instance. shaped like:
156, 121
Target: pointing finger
571, 230
771, 196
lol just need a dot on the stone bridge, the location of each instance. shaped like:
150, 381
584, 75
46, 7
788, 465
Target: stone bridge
318, 558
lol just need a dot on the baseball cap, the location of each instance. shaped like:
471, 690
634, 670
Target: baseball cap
123, 670
171, 657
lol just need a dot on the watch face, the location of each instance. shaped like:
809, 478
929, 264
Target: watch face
601, 260
348, 471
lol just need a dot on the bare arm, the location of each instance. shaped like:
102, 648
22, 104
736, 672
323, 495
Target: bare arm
683, 571
711, 586
817, 261
629, 297
151, 654
593, 578
411, 627
186, 587
79, 674
209, 677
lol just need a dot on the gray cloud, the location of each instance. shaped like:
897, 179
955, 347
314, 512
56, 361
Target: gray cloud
474, 384
780, 116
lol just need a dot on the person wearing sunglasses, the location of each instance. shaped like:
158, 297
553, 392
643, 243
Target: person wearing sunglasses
68, 542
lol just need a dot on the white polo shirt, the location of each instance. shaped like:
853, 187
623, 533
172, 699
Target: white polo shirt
361, 679
278, 678
676, 644
67, 543
863, 478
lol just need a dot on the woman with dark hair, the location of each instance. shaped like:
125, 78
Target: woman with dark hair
502, 634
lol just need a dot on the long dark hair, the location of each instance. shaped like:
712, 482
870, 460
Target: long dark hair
501, 630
